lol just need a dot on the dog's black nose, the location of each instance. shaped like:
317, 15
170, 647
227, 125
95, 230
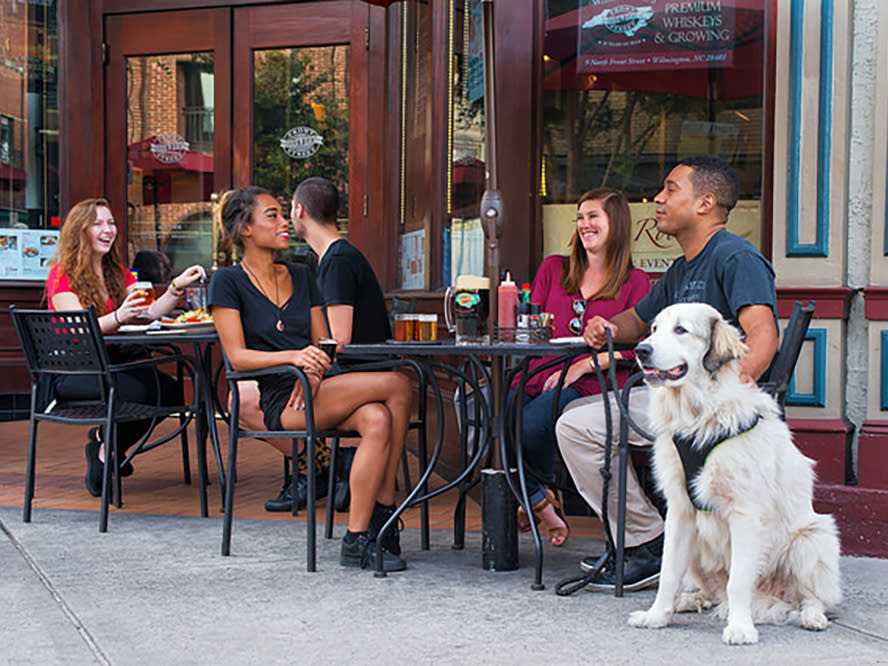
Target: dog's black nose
643, 351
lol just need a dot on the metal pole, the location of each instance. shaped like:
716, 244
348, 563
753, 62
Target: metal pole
499, 533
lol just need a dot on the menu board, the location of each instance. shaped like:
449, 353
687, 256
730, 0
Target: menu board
25, 254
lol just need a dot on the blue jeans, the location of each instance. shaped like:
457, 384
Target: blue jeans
538, 437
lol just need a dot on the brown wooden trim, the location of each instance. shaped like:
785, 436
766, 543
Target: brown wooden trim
441, 81
832, 302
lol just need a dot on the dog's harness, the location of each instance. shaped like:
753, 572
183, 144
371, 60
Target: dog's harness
693, 456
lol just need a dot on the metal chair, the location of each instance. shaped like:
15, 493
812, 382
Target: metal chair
70, 342
309, 434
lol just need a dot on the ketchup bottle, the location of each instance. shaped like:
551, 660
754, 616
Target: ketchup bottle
507, 299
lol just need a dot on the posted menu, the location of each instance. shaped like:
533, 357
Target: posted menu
25, 253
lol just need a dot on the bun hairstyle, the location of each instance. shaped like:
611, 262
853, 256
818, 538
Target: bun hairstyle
234, 210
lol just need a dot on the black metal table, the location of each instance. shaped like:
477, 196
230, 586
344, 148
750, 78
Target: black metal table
205, 422
500, 534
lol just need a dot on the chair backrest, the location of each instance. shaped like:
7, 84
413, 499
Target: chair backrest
776, 382
61, 341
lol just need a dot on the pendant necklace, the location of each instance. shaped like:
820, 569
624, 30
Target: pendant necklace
279, 325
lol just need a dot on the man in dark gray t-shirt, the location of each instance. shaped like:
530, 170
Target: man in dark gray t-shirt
716, 267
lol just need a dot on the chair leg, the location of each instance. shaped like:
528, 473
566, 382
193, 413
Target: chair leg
118, 482
229, 490
311, 472
331, 488
186, 460
110, 446
29, 478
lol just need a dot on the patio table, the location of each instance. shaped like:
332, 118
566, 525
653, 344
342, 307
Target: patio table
202, 341
499, 528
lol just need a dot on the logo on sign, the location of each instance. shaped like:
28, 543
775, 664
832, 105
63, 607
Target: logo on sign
301, 142
169, 147
623, 19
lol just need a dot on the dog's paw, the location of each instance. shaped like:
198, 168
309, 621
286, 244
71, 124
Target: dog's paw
740, 634
648, 619
813, 619
692, 602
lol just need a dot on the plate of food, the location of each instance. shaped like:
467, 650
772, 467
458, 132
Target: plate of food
196, 321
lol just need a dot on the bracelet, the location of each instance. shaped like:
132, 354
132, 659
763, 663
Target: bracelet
176, 291
315, 373
116, 319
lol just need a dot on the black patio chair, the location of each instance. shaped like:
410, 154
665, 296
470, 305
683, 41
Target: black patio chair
70, 342
309, 435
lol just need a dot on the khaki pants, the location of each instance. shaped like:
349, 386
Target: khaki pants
581, 433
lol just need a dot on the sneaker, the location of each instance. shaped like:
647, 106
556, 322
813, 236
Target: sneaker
359, 551
589, 563
391, 541
641, 569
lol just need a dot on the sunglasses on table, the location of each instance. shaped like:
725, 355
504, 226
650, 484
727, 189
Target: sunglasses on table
575, 325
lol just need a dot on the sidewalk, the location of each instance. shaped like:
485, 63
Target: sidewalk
154, 590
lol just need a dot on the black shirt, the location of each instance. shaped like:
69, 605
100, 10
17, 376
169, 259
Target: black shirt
346, 278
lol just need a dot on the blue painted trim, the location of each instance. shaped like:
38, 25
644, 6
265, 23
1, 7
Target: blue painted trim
883, 397
820, 247
885, 248
817, 336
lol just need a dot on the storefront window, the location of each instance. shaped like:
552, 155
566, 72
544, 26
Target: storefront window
467, 173
416, 145
29, 133
632, 88
424, 210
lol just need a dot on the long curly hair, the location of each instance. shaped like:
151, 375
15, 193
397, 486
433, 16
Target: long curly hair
233, 212
74, 258
618, 252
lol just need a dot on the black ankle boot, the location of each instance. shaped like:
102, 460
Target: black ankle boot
391, 540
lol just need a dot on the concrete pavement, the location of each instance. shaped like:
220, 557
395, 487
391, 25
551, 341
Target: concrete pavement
154, 590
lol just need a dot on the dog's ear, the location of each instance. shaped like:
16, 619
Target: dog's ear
725, 345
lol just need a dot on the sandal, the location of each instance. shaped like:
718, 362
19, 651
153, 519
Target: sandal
523, 520
557, 534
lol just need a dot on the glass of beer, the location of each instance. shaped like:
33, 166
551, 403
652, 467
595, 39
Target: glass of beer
404, 327
427, 327
147, 290
328, 346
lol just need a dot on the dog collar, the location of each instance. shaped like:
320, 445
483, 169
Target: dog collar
693, 454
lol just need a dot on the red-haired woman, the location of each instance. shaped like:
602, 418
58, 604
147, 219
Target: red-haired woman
88, 271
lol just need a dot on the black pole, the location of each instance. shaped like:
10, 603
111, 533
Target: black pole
499, 531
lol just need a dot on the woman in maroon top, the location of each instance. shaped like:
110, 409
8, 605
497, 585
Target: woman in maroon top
596, 278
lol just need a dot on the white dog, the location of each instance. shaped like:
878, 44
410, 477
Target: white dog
755, 549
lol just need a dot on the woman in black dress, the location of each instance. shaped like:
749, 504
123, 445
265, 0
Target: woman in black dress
269, 313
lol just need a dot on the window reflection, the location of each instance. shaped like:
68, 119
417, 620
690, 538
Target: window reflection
627, 94
29, 129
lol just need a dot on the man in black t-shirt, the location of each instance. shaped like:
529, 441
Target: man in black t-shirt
717, 268
353, 299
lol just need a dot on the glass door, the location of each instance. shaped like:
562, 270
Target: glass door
167, 134
199, 101
302, 116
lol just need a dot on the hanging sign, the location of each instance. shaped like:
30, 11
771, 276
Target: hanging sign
301, 142
626, 35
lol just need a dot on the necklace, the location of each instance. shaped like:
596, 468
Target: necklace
279, 325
